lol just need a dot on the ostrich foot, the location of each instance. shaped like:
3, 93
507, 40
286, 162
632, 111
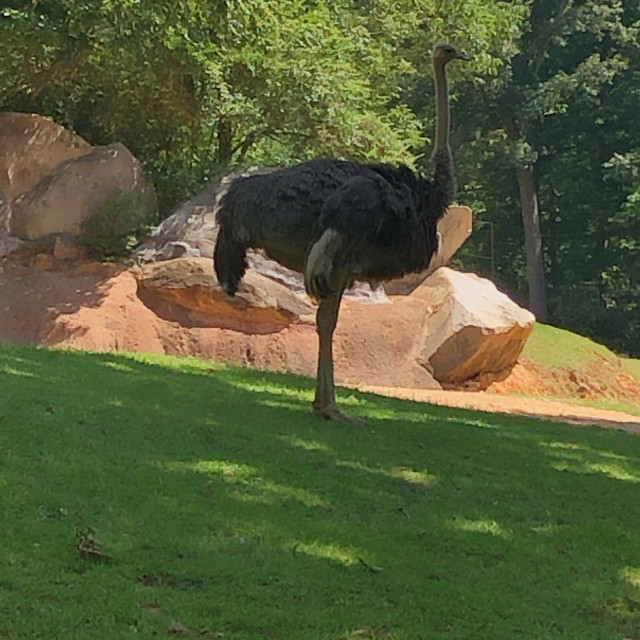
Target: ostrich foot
332, 412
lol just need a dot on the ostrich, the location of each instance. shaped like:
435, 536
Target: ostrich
337, 221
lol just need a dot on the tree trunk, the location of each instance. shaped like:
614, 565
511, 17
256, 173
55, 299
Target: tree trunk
533, 242
225, 142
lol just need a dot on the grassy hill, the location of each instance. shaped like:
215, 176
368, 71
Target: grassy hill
555, 347
148, 497
575, 369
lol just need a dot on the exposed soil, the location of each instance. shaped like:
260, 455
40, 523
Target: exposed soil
92, 306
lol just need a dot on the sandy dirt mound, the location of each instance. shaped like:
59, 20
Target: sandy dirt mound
95, 306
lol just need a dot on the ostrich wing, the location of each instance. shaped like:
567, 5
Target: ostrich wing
372, 228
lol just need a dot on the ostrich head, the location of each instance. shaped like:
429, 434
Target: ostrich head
444, 52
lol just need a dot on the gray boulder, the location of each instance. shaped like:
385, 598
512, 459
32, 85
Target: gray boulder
73, 190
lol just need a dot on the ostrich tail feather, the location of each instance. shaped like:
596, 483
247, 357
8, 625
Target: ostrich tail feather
229, 261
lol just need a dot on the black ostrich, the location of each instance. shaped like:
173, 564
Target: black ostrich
338, 221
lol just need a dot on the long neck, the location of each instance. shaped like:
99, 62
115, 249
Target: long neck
442, 108
443, 180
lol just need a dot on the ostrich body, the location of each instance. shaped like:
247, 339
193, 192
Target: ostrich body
338, 221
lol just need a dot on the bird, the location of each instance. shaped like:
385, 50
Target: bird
337, 221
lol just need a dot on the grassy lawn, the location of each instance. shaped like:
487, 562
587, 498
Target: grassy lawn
148, 497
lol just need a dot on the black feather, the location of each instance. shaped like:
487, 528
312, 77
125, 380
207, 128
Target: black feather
386, 217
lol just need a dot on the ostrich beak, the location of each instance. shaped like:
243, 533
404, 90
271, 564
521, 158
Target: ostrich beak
462, 55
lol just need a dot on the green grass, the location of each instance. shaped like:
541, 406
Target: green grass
227, 510
555, 347
633, 366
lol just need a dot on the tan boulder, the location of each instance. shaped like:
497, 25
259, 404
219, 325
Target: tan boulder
32, 147
473, 329
262, 305
68, 195
269, 326
454, 328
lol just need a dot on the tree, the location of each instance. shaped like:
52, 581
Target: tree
194, 85
559, 120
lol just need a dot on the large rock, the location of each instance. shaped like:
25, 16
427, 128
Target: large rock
68, 195
262, 305
269, 326
32, 147
472, 328
454, 328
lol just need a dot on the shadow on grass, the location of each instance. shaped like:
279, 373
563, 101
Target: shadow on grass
230, 511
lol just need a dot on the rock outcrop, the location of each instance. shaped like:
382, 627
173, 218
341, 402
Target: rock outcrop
73, 191
453, 328
263, 306
32, 147
474, 329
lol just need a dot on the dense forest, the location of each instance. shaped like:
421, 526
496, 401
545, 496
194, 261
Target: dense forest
545, 134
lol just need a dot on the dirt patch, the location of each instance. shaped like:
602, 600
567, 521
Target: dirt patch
96, 307
603, 379
515, 405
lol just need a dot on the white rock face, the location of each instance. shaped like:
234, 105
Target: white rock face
472, 328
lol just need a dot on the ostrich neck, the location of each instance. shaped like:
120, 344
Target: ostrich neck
442, 108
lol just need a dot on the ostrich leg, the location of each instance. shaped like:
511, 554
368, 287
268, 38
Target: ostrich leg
324, 404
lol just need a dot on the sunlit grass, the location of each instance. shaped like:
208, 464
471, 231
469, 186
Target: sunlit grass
560, 348
219, 507
490, 527
633, 366
632, 574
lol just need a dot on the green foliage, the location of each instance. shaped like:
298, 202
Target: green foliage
565, 103
193, 86
218, 506
116, 227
